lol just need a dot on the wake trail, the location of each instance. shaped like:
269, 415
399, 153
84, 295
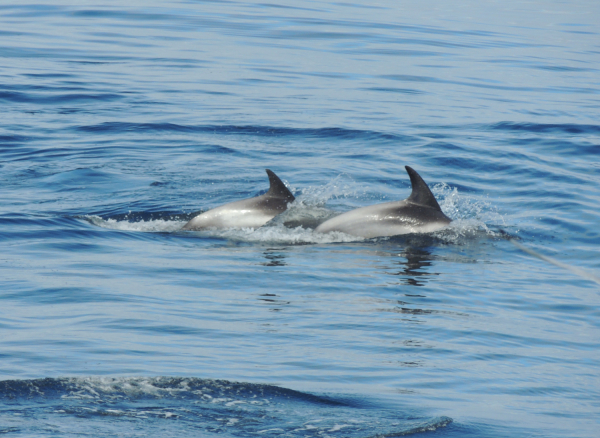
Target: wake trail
577, 271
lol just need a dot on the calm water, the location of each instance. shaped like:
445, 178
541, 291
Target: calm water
118, 123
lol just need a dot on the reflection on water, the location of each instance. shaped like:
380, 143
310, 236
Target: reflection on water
409, 364
275, 257
414, 269
275, 304
408, 311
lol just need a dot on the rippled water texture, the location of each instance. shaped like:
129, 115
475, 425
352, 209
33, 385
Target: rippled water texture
120, 122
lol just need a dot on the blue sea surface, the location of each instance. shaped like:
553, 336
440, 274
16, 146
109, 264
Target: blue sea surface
119, 122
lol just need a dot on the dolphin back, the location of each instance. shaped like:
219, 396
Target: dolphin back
419, 213
278, 188
246, 213
421, 194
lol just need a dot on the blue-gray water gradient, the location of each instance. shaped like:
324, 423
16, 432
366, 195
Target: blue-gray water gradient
119, 122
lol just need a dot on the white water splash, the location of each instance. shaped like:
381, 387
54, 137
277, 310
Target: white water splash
469, 215
342, 186
458, 206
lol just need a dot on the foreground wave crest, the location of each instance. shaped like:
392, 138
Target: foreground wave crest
192, 406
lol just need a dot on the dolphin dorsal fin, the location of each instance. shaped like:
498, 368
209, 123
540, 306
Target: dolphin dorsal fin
420, 191
278, 188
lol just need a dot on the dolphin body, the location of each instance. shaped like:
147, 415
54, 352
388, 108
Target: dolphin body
419, 213
247, 213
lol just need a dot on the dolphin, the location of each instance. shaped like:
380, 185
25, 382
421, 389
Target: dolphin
247, 213
419, 213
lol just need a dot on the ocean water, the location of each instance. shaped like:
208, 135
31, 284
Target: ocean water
121, 121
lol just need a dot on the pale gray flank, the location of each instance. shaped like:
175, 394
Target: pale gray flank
419, 213
246, 213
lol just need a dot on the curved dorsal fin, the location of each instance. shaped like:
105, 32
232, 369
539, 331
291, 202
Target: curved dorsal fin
420, 191
278, 188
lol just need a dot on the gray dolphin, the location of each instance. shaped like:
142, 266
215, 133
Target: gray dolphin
419, 213
247, 213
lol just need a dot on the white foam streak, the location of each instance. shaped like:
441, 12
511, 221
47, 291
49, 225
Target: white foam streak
282, 235
149, 226
574, 269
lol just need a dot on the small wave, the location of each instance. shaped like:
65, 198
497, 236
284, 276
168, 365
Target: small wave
429, 426
13, 139
259, 131
568, 128
15, 96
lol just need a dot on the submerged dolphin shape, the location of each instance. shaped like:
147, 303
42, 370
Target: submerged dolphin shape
247, 213
419, 213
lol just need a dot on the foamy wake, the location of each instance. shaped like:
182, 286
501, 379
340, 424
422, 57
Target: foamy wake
146, 226
276, 233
